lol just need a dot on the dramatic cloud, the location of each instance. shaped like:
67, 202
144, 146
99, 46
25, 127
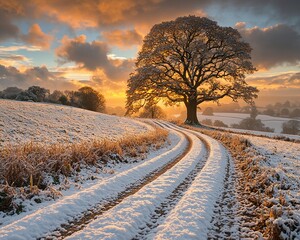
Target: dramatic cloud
7, 29
37, 37
272, 46
13, 57
89, 55
93, 56
277, 88
286, 80
96, 13
274, 10
11, 76
8, 59
123, 38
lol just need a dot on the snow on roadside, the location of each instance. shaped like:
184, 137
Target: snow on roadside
192, 215
283, 159
261, 134
22, 122
125, 220
52, 216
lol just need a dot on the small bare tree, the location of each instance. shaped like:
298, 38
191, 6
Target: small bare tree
190, 60
152, 111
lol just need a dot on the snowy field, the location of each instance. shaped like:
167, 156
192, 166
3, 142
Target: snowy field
190, 188
283, 159
49, 123
234, 118
282, 156
132, 215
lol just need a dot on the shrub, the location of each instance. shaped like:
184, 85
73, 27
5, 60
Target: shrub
90, 99
208, 111
63, 100
207, 122
252, 124
153, 111
295, 113
11, 92
27, 96
291, 127
219, 123
55, 96
33, 93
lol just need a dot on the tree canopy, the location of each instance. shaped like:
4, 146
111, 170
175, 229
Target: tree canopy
190, 60
90, 99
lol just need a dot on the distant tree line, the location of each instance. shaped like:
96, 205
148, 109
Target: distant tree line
285, 109
85, 97
252, 123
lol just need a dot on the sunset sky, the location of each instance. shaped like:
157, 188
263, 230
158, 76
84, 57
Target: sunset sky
65, 44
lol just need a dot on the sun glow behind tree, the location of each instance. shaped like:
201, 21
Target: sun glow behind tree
190, 60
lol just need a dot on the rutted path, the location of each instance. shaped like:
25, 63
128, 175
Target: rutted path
75, 211
190, 218
165, 207
224, 222
87, 217
183, 193
179, 204
125, 220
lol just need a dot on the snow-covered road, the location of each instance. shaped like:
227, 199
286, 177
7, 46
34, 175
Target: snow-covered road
170, 196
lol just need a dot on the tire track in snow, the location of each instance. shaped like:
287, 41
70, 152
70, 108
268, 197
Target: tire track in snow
192, 215
81, 221
126, 219
47, 219
224, 222
165, 207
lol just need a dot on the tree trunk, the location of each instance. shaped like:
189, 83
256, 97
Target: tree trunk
191, 118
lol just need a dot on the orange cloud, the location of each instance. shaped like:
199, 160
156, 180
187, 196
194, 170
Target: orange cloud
93, 56
287, 81
37, 37
123, 38
41, 76
96, 13
7, 59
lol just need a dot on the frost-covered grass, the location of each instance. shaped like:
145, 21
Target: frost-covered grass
126, 219
268, 185
42, 143
278, 136
29, 167
45, 217
25, 122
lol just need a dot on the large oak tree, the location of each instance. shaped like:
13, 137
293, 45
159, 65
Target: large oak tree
190, 60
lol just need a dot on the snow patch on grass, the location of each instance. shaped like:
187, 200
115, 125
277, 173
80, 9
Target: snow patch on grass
23, 122
51, 216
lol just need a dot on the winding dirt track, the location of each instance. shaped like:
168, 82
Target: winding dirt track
80, 222
149, 228
165, 207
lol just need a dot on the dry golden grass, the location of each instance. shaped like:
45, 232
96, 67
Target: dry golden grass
26, 165
255, 184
